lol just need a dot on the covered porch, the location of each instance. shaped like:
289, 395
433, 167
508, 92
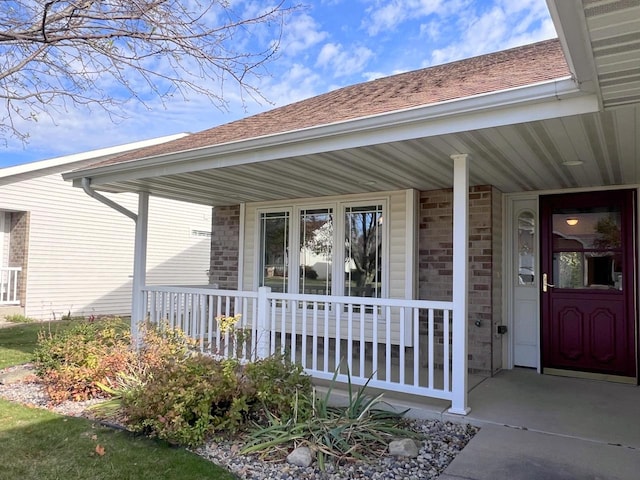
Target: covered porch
544, 127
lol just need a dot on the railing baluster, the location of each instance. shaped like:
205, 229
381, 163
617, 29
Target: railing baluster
203, 314
374, 360
303, 344
416, 346
338, 311
326, 337
350, 338
272, 326
446, 333
401, 363
432, 346
294, 313
387, 342
283, 329
363, 360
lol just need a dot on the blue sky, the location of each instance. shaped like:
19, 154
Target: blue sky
326, 45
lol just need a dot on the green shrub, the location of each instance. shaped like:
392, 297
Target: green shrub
70, 363
19, 318
281, 389
76, 364
186, 401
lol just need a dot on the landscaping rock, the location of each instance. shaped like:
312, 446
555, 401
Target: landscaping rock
15, 374
403, 448
300, 457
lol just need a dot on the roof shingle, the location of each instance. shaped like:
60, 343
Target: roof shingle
498, 71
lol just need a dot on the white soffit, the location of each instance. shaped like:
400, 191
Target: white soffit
601, 39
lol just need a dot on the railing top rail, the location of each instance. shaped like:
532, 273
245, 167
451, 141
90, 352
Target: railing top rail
11, 269
365, 301
200, 289
329, 299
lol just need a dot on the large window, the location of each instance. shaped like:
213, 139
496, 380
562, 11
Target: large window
363, 251
316, 251
274, 246
309, 252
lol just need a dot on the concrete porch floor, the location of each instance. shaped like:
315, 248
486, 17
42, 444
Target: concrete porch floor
547, 427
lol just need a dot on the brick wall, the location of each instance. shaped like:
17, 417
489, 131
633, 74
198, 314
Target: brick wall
436, 265
19, 249
225, 234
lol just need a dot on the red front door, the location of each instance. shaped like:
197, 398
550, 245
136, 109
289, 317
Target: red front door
588, 282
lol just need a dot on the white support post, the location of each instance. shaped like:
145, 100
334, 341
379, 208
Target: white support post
459, 404
263, 330
138, 308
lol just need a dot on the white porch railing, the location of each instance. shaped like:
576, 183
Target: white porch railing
9, 285
398, 345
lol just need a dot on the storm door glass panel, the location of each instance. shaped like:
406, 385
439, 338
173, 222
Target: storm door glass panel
316, 251
587, 248
363, 251
274, 251
526, 249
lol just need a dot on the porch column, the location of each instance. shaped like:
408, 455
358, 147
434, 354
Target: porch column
460, 283
138, 306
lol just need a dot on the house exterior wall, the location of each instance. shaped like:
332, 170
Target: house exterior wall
435, 261
436, 264
80, 252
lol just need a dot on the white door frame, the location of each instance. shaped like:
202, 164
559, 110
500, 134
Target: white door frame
508, 268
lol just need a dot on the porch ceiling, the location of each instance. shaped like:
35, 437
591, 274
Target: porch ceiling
520, 157
614, 31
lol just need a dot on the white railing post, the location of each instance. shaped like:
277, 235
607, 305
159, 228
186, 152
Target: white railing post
459, 400
263, 323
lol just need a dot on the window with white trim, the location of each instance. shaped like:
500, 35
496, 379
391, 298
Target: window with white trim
303, 249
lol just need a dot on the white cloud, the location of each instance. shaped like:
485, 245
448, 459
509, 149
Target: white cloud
385, 16
507, 24
342, 62
301, 33
296, 83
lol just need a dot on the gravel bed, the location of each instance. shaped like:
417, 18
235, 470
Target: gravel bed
439, 442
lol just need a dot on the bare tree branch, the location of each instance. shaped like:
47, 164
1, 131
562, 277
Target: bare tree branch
61, 53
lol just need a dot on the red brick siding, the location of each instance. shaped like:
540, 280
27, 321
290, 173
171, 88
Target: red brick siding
225, 237
19, 249
436, 264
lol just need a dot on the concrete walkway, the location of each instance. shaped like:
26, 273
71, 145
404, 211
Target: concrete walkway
545, 427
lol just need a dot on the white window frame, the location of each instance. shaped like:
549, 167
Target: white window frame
338, 208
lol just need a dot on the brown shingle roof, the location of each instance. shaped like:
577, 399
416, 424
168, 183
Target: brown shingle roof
487, 73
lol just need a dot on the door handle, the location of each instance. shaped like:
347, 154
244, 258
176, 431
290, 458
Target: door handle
546, 285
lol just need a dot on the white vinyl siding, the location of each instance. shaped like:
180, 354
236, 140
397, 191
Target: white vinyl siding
399, 272
80, 257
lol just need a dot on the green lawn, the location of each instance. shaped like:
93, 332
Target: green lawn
40, 445
18, 342
37, 444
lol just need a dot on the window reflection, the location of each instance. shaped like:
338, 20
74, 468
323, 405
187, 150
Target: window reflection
526, 248
587, 248
274, 237
316, 251
363, 251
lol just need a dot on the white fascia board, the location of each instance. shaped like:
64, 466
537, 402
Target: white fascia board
545, 100
571, 26
84, 156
